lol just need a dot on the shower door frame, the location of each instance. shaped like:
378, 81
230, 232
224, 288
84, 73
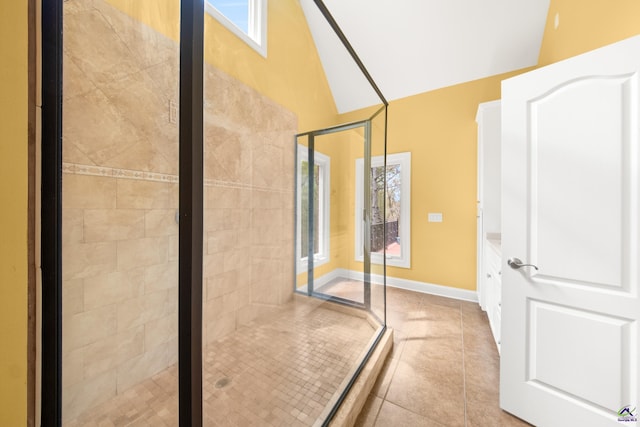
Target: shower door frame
190, 207
366, 124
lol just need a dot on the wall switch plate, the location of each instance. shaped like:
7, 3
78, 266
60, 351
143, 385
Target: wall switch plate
435, 217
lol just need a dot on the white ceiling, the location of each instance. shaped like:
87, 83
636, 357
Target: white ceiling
415, 46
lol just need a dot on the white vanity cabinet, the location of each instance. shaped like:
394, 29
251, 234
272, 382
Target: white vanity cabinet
489, 257
493, 284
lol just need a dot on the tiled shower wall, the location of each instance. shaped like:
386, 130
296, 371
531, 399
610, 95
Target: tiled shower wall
120, 200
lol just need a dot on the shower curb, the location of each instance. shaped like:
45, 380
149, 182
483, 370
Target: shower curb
361, 388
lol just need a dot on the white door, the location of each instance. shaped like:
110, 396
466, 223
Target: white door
570, 198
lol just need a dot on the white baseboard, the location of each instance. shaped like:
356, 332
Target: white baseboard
410, 285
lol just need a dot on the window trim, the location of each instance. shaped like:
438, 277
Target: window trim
404, 160
324, 162
256, 26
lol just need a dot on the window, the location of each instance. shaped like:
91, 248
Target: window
397, 213
322, 181
247, 19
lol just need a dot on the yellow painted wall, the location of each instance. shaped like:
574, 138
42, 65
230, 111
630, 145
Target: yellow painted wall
439, 130
587, 25
13, 215
291, 75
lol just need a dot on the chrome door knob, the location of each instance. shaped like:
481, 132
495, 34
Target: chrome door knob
515, 263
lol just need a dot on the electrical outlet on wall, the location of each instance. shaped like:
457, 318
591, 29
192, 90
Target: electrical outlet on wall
435, 217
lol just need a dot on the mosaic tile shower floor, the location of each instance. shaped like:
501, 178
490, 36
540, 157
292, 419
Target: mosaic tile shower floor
282, 371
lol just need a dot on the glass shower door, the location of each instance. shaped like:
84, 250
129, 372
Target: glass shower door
333, 241
119, 213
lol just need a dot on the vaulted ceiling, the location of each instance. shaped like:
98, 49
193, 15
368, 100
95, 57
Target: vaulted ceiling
415, 46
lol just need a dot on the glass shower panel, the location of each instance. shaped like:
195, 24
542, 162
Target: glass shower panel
120, 201
336, 274
384, 233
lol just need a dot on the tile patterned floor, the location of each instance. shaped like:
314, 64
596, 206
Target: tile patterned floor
282, 371
443, 370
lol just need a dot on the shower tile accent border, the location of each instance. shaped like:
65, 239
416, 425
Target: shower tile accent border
93, 170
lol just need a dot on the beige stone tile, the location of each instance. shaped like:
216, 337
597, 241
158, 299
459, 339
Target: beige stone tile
97, 128
160, 331
88, 393
166, 76
433, 392
246, 314
72, 297
384, 379
223, 325
263, 292
213, 218
263, 199
147, 45
213, 265
222, 283
130, 343
72, 226
144, 366
112, 288
161, 276
490, 415
394, 415
226, 198
146, 154
72, 365
142, 252
262, 218
88, 327
227, 155
137, 98
266, 159
72, 154
102, 225
160, 222
426, 351
88, 32
75, 6
135, 194
150, 306
237, 219
369, 413
74, 82
221, 241
81, 260
234, 259
88, 192
174, 195
100, 356
173, 248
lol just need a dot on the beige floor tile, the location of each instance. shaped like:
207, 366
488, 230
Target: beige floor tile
369, 412
394, 415
436, 392
449, 364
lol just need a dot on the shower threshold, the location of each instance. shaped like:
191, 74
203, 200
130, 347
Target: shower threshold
289, 367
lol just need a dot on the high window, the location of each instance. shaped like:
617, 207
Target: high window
245, 18
397, 209
321, 192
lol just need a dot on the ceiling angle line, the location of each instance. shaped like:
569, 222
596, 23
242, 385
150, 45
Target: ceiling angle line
336, 29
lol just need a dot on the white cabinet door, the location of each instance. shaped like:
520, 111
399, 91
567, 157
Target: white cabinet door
570, 197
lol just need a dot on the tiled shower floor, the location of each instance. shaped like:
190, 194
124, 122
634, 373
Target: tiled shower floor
282, 371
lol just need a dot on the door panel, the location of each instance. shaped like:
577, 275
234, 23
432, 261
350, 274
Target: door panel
596, 111
570, 197
559, 339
